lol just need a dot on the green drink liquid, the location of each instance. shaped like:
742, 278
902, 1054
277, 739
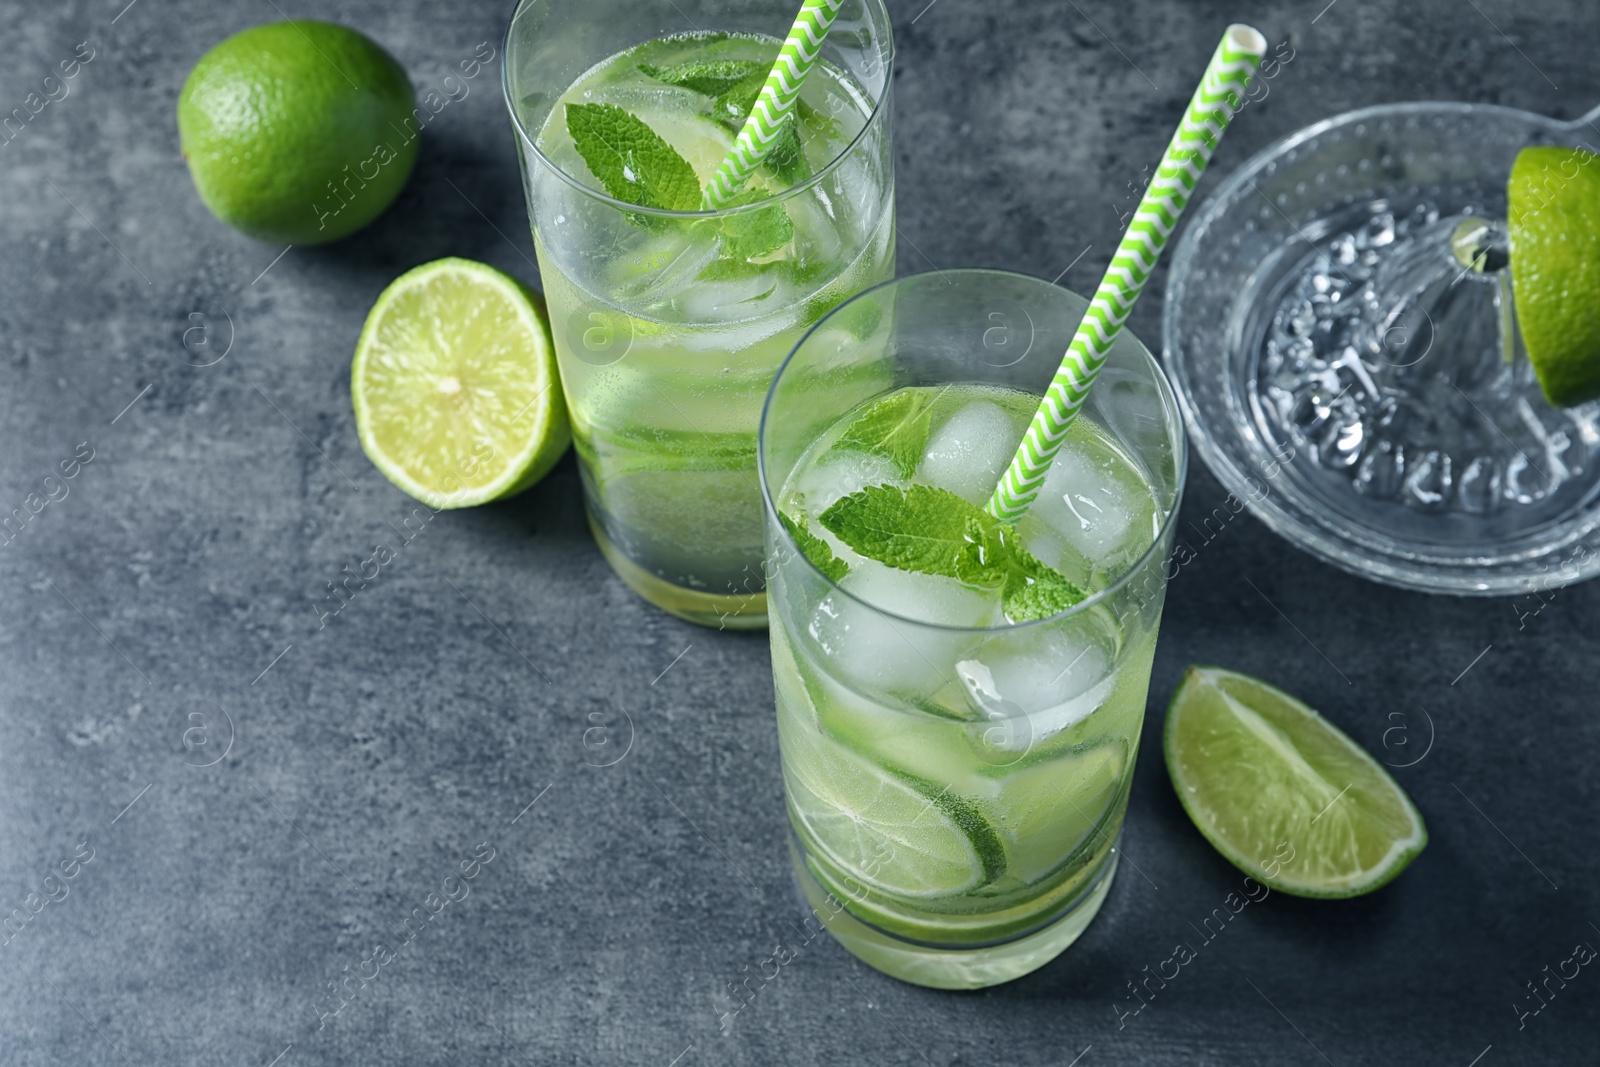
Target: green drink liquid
667, 343
957, 782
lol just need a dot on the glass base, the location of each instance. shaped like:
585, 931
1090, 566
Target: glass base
746, 612
938, 968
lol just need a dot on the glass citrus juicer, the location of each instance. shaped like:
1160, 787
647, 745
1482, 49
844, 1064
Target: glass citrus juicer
1341, 325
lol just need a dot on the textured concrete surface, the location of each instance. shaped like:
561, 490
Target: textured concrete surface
248, 802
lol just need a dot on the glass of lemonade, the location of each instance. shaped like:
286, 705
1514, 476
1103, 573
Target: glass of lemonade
956, 783
669, 324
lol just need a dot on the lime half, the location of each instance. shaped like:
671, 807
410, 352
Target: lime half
893, 834
1283, 794
1553, 212
457, 397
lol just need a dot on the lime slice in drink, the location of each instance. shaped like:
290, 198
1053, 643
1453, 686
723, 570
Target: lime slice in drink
890, 831
1553, 212
1283, 794
1052, 808
455, 387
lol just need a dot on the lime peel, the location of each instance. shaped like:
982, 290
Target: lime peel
1553, 214
883, 828
294, 131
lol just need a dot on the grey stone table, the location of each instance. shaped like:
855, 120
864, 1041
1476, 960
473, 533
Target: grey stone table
249, 796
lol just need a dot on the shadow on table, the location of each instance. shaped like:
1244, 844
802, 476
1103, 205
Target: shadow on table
463, 199
1232, 928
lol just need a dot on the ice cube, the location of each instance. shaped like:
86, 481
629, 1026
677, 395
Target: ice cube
1048, 547
928, 598
1094, 501
967, 454
875, 653
817, 234
1035, 669
1039, 681
661, 268
644, 99
734, 297
839, 473
978, 680
1378, 232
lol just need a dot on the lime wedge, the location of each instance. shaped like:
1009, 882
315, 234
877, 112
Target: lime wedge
1553, 212
1283, 794
456, 393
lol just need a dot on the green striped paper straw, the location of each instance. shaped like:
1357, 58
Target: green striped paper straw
1219, 94
772, 108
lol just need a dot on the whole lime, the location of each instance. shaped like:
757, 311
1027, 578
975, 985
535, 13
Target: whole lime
296, 132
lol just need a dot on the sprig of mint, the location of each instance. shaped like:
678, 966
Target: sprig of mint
635, 165
1035, 590
934, 531
815, 548
895, 428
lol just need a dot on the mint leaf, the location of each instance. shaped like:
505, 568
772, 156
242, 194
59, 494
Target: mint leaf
918, 528
738, 270
934, 531
895, 428
1036, 591
748, 234
631, 161
815, 119
815, 548
634, 164
711, 77
732, 105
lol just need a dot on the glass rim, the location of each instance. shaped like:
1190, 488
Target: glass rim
603, 197
1169, 402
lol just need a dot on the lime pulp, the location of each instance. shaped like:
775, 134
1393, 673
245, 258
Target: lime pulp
457, 398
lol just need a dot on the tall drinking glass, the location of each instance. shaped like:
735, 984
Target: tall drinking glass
956, 784
669, 325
